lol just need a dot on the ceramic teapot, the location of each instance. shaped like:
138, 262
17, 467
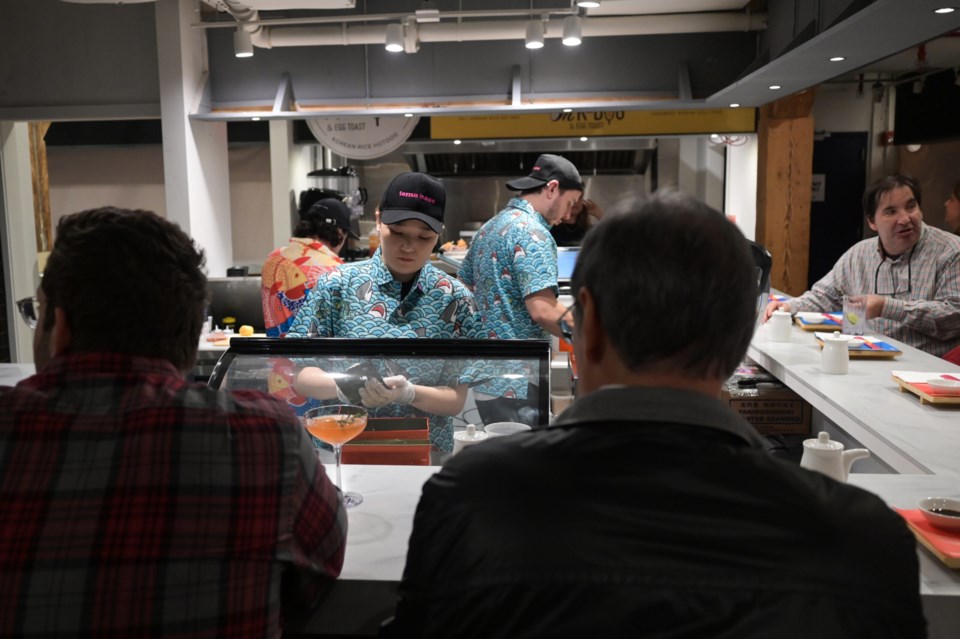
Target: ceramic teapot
828, 457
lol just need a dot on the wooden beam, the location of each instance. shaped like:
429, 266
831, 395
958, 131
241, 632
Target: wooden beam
784, 183
41, 185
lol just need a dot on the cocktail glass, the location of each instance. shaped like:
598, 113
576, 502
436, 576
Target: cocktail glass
336, 424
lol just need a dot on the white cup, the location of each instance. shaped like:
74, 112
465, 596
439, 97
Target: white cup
499, 429
781, 326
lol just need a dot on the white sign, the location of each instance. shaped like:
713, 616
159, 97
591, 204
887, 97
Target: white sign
819, 190
362, 137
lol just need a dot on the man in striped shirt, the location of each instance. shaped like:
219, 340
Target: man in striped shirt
909, 274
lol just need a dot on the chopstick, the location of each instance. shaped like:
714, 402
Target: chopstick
867, 343
830, 318
950, 377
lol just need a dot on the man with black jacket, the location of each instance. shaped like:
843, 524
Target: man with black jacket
650, 509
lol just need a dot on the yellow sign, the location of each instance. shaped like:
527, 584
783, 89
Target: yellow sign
593, 124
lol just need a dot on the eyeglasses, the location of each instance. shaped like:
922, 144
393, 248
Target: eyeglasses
876, 278
29, 310
565, 329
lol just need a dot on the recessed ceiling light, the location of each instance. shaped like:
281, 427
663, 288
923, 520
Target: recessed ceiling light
734, 105
567, 110
944, 10
583, 139
456, 142
774, 87
837, 58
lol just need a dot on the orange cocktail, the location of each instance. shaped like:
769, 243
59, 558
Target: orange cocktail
336, 424
336, 429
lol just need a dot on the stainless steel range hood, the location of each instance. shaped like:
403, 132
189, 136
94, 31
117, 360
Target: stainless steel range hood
484, 158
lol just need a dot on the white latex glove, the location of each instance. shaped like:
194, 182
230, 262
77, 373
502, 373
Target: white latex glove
394, 390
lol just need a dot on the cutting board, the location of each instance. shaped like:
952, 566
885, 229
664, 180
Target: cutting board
944, 544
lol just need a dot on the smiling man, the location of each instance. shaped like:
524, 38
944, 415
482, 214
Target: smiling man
909, 274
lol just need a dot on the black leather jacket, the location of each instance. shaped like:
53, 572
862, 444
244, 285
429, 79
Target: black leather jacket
651, 513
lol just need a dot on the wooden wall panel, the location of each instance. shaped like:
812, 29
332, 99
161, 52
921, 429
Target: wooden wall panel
784, 180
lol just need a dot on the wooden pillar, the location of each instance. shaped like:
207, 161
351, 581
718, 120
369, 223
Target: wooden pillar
41, 185
784, 182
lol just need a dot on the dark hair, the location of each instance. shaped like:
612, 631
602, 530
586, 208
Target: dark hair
675, 286
871, 197
128, 282
310, 226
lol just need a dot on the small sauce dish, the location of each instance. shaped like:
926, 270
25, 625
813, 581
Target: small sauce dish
942, 512
944, 385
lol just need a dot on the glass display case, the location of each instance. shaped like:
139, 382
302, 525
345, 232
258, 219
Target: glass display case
476, 382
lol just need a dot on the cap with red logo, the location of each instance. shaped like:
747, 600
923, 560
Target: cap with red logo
414, 196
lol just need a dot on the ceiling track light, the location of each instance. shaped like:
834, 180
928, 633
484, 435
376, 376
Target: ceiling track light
572, 31
534, 39
242, 46
394, 42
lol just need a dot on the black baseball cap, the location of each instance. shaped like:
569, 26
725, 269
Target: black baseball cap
414, 196
549, 167
332, 211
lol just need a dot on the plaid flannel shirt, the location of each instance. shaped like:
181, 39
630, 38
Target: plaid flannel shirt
133, 503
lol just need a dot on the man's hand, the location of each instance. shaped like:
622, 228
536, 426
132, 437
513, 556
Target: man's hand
394, 390
775, 306
875, 304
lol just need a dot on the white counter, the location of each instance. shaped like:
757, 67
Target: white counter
867, 404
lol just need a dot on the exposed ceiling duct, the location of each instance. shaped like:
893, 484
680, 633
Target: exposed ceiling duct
466, 26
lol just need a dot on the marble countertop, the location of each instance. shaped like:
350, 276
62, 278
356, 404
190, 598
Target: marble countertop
867, 404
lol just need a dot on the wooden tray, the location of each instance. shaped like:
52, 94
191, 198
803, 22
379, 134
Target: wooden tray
943, 544
862, 351
826, 326
923, 392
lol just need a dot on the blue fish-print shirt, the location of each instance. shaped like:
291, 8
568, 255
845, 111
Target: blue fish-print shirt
512, 256
362, 299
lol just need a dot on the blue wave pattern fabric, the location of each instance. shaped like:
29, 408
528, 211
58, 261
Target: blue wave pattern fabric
362, 299
512, 256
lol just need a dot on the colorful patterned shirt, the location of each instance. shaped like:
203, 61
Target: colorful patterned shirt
512, 256
362, 299
136, 504
921, 287
288, 275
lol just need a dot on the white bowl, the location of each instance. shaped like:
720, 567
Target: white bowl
813, 318
944, 384
500, 429
930, 507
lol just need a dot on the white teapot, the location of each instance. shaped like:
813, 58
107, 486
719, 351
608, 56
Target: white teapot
828, 457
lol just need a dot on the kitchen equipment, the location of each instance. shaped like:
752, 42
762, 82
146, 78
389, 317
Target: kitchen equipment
828, 457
